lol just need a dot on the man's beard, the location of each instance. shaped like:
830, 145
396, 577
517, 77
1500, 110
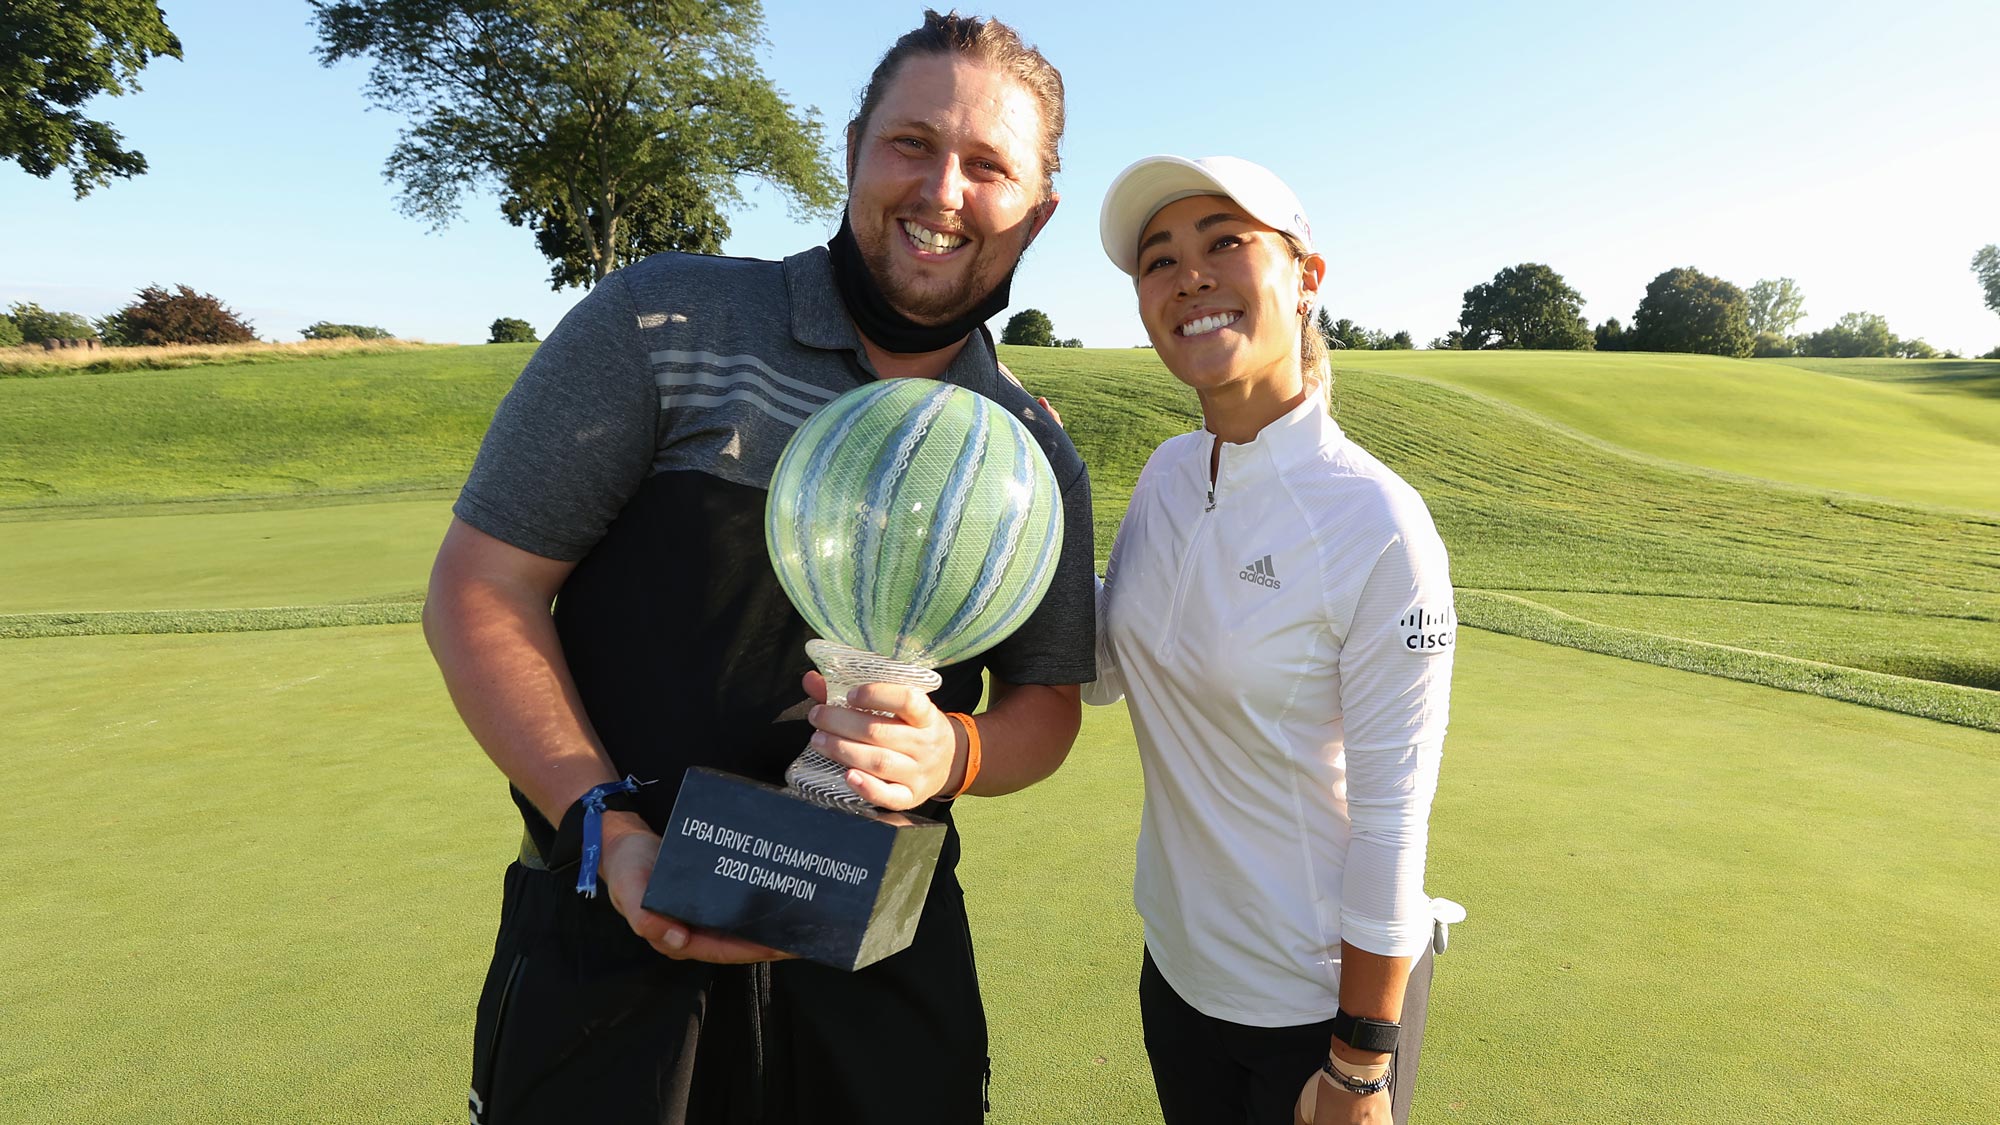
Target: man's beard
925, 304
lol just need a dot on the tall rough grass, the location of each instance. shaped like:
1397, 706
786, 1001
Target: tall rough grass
33, 362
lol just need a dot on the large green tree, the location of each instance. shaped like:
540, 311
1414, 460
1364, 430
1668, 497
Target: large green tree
1986, 267
612, 128
1030, 328
1524, 306
1856, 335
1685, 310
1774, 306
55, 55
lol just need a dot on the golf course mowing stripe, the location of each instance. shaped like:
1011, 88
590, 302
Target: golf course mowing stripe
1931, 436
18, 626
1518, 616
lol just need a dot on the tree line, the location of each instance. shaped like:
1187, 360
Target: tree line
617, 131
159, 316
1684, 310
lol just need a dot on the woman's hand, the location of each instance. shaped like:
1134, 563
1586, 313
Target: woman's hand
900, 749
1323, 1102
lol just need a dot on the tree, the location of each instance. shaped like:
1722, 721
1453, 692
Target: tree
1685, 310
1986, 267
1400, 342
1030, 327
613, 128
1071, 342
1349, 335
54, 57
512, 330
672, 216
1775, 306
1610, 336
1913, 349
326, 330
38, 324
1856, 335
1770, 345
111, 330
1524, 306
1329, 333
10, 332
183, 316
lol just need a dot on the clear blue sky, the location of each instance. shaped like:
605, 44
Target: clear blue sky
1852, 146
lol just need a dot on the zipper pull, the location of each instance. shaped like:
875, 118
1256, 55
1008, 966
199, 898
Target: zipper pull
1214, 468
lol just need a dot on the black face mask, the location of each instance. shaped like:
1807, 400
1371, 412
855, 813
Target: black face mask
878, 319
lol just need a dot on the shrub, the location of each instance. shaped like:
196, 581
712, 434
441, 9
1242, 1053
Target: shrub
1772, 345
180, 317
10, 332
1858, 335
327, 330
513, 330
36, 324
1994, 354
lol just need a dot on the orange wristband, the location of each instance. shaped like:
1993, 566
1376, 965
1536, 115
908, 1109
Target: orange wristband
971, 751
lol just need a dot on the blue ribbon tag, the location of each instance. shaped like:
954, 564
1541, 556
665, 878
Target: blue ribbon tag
593, 830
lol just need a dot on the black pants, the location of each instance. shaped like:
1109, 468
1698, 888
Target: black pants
1209, 1071
582, 1021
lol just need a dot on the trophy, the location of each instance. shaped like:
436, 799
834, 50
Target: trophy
913, 524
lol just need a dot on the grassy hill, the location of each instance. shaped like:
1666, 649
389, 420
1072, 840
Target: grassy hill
1917, 432
307, 429
265, 862
1556, 533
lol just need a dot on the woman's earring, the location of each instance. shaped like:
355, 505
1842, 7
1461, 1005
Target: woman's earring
1305, 307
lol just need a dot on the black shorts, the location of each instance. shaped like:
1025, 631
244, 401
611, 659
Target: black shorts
582, 1021
1210, 1071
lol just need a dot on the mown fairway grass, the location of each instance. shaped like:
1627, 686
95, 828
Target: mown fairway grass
1535, 514
409, 419
258, 870
260, 876
1914, 431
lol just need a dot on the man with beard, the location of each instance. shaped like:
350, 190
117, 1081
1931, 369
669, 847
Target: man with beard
623, 480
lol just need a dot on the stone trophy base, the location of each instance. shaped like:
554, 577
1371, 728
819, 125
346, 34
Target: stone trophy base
840, 886
808, 868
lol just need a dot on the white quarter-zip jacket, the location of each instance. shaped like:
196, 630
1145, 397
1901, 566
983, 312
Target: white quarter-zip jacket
1286, 642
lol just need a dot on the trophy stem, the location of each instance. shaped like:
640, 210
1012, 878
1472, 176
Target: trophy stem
813, 775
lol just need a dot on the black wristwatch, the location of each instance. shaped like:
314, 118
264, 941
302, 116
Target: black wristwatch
1364, 1034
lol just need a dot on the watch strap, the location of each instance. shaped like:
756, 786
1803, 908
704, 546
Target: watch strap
1364, 1034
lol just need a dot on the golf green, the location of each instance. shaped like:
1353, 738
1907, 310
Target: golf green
260, 876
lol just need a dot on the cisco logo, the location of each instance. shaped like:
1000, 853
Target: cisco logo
1428, 630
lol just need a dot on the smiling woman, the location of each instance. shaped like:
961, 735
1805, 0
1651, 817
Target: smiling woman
1278, 609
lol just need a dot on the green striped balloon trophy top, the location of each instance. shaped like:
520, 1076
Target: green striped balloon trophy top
914, 519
